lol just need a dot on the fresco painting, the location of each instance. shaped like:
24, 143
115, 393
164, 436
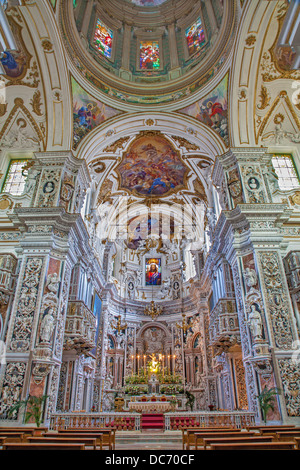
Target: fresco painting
143, 226
88, 113
212, 110
152, 167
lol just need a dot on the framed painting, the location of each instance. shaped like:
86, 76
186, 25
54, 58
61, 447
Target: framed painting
153, 271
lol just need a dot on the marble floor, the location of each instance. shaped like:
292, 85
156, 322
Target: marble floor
149, 440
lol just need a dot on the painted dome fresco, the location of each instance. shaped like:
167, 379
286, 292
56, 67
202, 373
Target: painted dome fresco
148, 52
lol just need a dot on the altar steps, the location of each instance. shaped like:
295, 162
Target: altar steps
148, 440
152, 421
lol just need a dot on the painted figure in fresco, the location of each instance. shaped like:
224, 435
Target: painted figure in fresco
216, 112
13, 63
151, 167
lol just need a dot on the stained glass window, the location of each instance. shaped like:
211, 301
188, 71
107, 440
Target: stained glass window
103, 39
149, 55
195, 37
285, 170
15, 178
153, 271
148, 3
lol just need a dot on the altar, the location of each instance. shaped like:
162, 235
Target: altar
149, 406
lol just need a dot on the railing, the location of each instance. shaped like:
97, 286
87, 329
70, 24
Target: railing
80, 325
126, 421
201, 419
224, 323
119, 421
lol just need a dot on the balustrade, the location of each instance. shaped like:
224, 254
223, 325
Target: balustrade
80, 326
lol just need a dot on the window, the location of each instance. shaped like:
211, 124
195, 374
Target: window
103, 39
15, 178
285, 170
195, 37
149, 55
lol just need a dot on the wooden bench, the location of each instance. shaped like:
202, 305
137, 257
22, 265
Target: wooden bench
42, 446
240, 439
275, 428
188, 433
255, 446
286, 435
13, 436
108, 434
87, 441
297, 442
199, 437
79, 435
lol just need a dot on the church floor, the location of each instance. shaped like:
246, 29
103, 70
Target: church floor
149, 440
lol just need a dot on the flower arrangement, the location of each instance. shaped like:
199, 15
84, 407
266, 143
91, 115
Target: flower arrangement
135, 390
171, 389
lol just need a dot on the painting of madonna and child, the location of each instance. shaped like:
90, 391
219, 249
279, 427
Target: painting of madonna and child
152, 167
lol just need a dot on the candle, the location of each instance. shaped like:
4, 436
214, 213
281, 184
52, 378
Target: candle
138, 365
132, 357
144, 365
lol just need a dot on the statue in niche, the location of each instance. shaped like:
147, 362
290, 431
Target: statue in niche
47, 325
255, 323
250, 277
53, 282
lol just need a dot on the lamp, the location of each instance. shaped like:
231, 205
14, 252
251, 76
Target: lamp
118, 325
153, 310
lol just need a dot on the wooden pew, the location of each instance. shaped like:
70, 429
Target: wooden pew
26, 430
42, 446
108, 434
16, 436
240, 439
286, 435
87, 441
79, 435
297, 442
262, 429
255, 446
188, 435
200, 436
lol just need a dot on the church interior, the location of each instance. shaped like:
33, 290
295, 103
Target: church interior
150, 221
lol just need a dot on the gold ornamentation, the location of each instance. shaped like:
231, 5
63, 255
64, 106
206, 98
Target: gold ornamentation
183, 326
250, 40
117, 145
264, 98
117, 325
36, 103
185, 143
47, 45
153, 310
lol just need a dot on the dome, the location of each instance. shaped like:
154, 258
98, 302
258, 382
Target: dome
148, 52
